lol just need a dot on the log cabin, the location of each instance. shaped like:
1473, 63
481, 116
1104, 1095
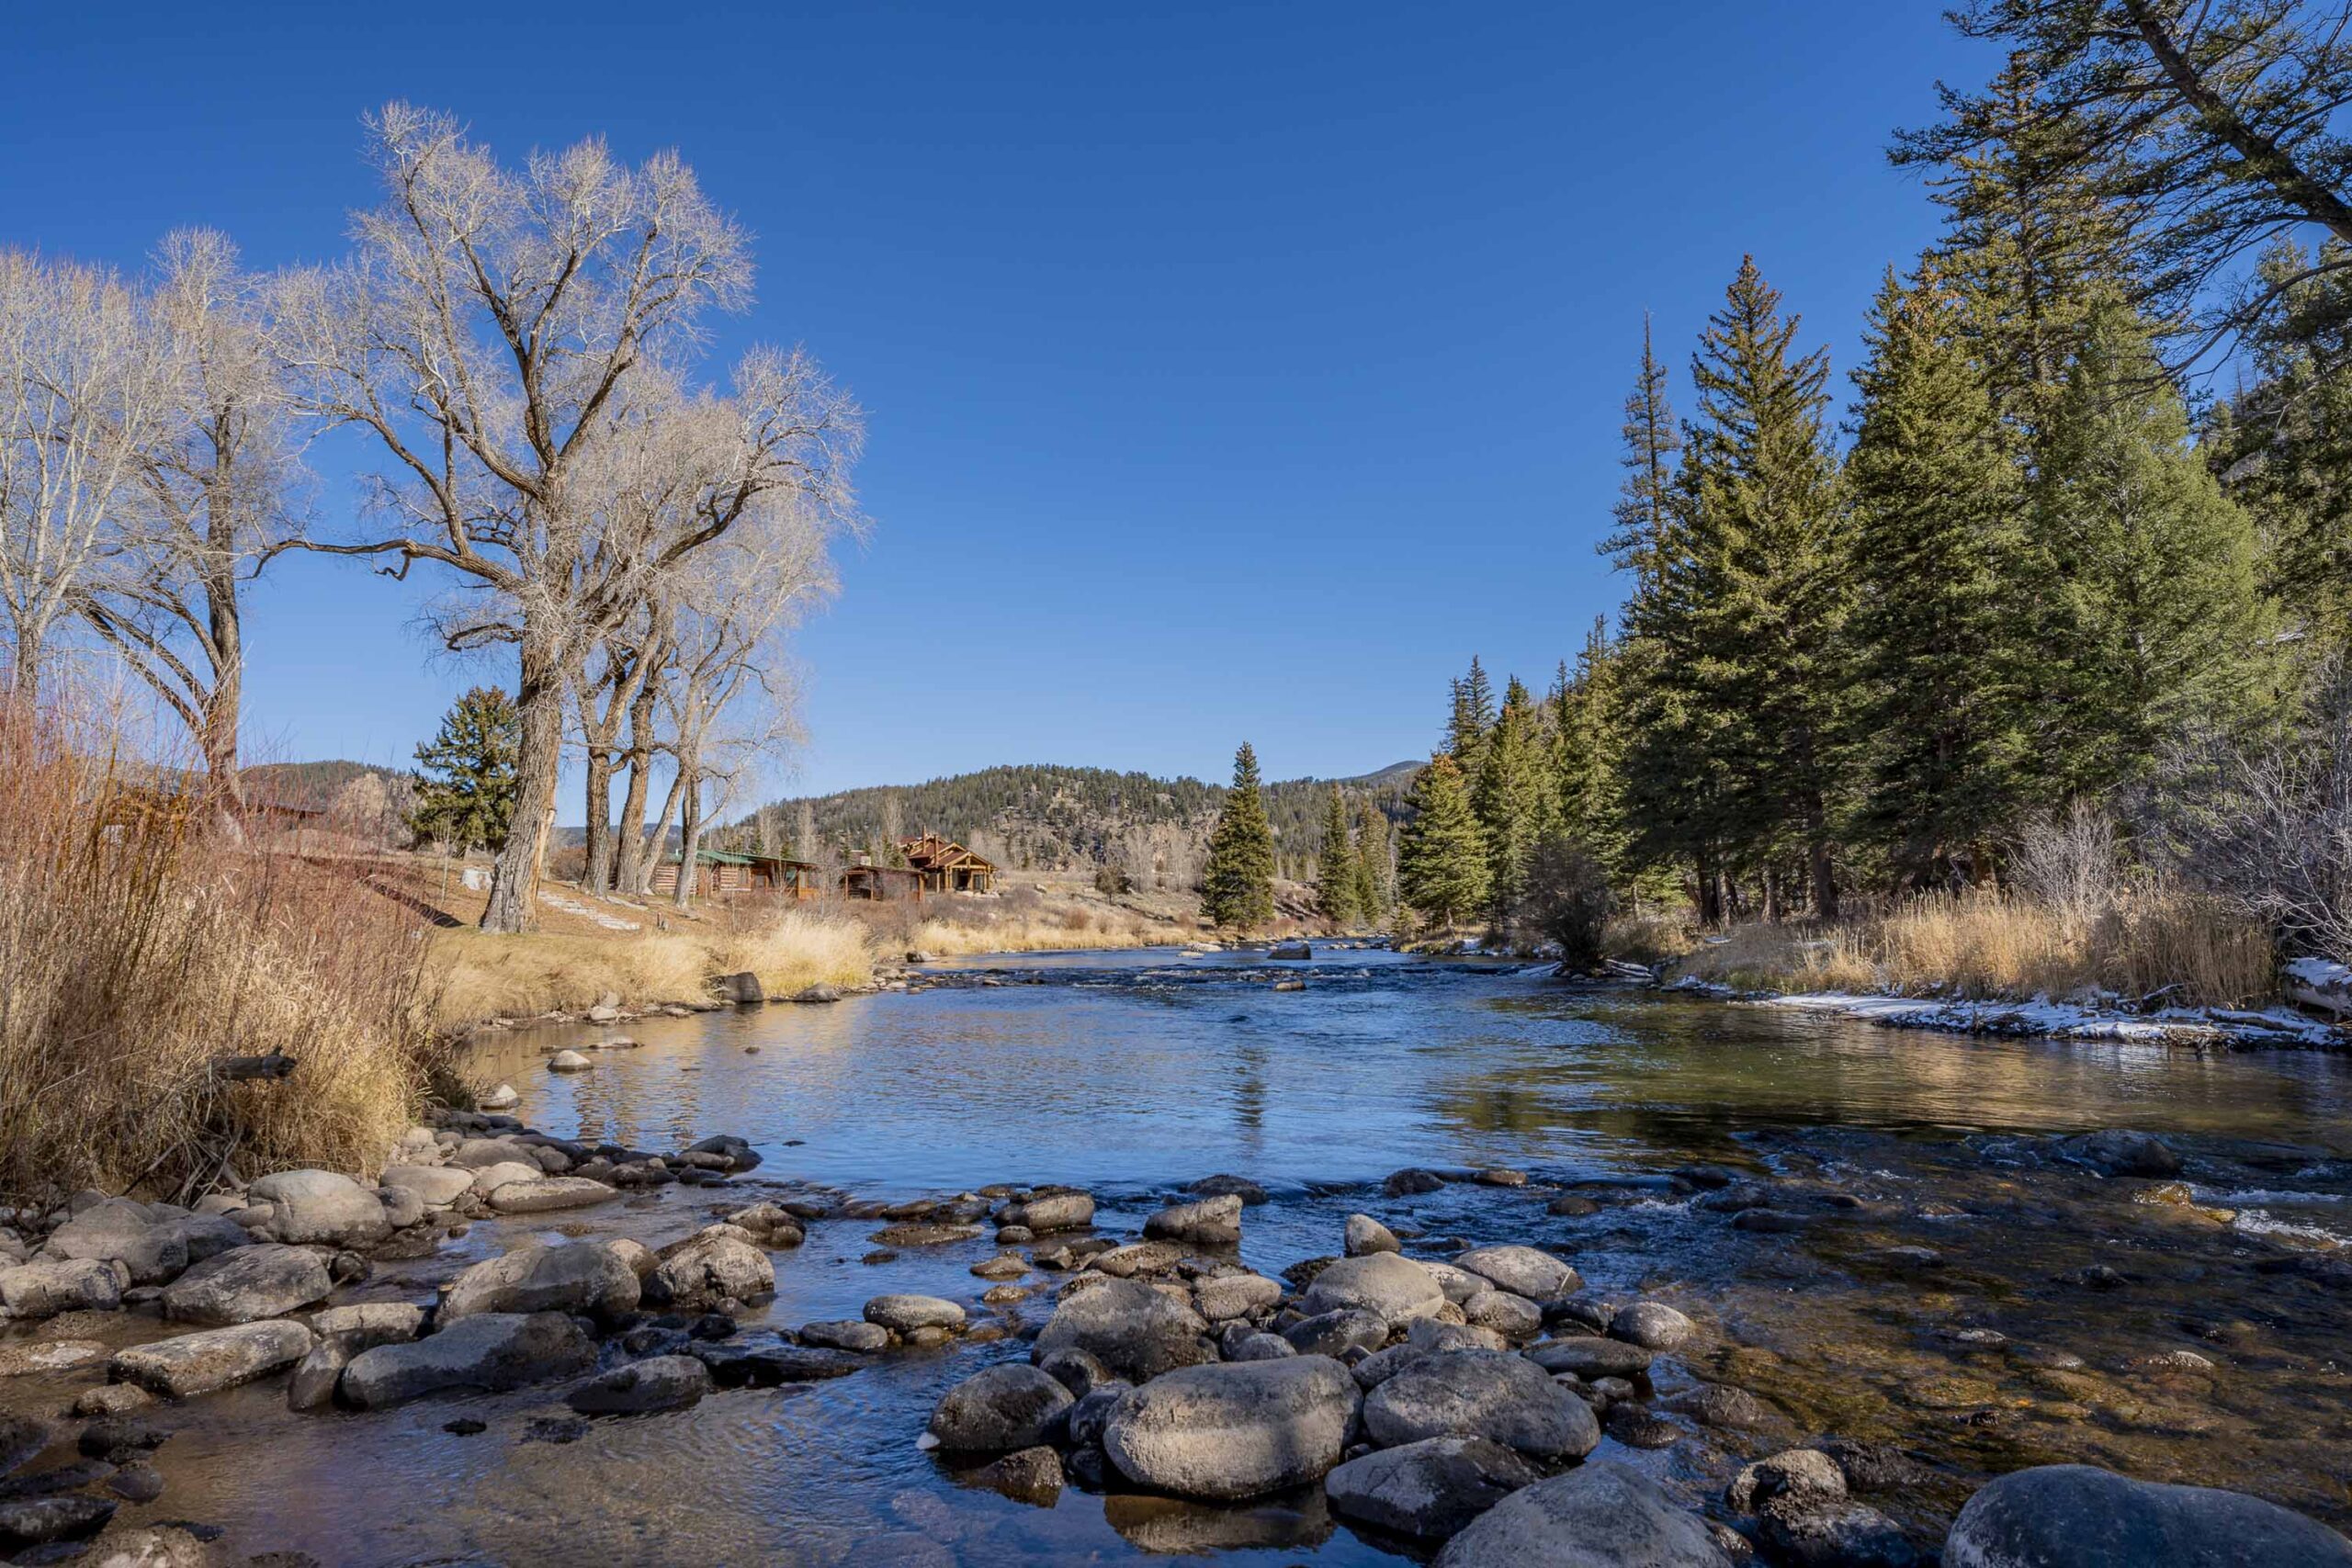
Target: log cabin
946, 866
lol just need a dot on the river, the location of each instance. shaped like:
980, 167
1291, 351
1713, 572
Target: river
1132, 1074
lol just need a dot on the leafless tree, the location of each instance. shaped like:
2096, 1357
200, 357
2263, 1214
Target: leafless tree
215, 497
506, 335
82, 393
607, 697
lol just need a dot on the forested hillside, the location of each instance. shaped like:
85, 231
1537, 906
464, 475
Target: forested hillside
1045, 818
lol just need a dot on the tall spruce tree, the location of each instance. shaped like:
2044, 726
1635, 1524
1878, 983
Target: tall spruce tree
1376, 870
1442, 856
1515, 812
1238, 885
2157, 625
1766, 580
1338, 881
465, 783
1943, 624
1588, 752
1472, 716
1639, 543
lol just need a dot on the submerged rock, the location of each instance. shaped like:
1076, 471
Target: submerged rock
1598, 1515
1236, 1429
2117, 1151
2077, 1515
1433, 1488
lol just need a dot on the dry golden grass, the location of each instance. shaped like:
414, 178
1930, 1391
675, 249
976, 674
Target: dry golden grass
2133, 944
480, 976
137, 951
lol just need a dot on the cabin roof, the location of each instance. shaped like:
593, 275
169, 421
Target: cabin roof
929, 851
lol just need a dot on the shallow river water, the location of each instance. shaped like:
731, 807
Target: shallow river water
1133, 1073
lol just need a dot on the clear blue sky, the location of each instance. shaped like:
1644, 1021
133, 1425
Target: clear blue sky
1232, 370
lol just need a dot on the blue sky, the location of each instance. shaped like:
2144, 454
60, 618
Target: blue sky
1233, 371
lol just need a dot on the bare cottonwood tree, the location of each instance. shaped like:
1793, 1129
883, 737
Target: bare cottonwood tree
213, 501
82, 390
503, 334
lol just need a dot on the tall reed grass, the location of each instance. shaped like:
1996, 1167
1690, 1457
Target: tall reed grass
137, 944
2132, 941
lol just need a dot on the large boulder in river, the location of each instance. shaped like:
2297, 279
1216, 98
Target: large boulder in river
715, 1264
1481, 1394
1653, 1325
1236, 1429
494, 1352
437, 1186
548, 1193
1430, 1489
1135, 1331
321, 1206
1045, 1212
2118, 1151
2077, 1516
1396, 1288
46, 1289
1598, 1516
215, 1358
584, 1278
1522, 1270
1006, 1408
247, 1285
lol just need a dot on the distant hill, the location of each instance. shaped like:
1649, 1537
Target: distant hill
1047, 818
314, 785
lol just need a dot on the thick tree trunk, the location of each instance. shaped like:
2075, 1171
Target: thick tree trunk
1771, 893
538, 704
598, 877
224, 706
681, 893
1710, 904
657, 839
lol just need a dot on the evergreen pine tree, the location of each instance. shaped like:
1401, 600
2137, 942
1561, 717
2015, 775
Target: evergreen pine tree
1441, 859
1376, 871
1472, 716
1338, 893
1237, 886
2157, 626
1514, 810
465, 783
1588, 753
1941, 625
1644, 513
1765, 585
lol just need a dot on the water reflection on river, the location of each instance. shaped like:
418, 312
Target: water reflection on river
1131, 1074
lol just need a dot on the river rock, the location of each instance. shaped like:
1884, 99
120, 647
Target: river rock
1136, 1332
120, 1230
25, 1358
569, 1062
1032, 1476
1396, 1288
439, 1186
1598, 1516
46, 1289
1236, 1429
1481, 1394
583, 1277
1366, 1235
155, 1546
846, 1334
1336, 1333
1251, 1193
2077, 1515
738, 1152
321, 1206
193, 1364
1050, 1211
1590, 1357
1006, 1408
2117, 1151
1807, 1475
246, 1284
503, 1098
1078, 1371
1228, 1296
1430, 1489
1721, 1406
489, 1179
1411, 1182
1091, 1414
547, 1193
33, 1521
903, 1314
1512, 1317
1653, 1326
658, 1382
1804, 1533
494, 1351
1209, 1221
1261, 1348
1459, 1285
481, 1154
1521, 1270
715, 1264
1429, 1334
